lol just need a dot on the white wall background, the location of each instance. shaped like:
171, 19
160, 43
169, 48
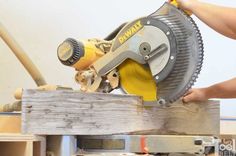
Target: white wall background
40, 26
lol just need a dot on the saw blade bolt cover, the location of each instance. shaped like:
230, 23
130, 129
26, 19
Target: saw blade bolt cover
145, 49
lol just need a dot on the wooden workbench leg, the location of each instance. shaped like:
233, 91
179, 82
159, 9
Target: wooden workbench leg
29, 148
43, 147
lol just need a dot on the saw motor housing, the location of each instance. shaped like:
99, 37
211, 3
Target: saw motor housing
157, 57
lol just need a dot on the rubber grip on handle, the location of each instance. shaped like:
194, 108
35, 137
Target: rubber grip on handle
175, 3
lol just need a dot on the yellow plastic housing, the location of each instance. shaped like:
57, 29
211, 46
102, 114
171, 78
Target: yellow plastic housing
91, 54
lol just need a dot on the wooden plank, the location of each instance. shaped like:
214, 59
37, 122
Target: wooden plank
10, 123
75, 113
11, 137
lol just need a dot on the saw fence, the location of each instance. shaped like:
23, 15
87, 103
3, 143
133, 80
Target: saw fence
74, 113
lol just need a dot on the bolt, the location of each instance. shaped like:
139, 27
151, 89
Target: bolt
156, 77
167, 33
146, 57
162, 102
172, 57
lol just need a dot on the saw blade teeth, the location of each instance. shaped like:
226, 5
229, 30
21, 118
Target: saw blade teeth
184, 46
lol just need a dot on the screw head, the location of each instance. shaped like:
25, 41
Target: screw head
172, 57
146, 57
161, 102
148, 22
167, 33
157, 77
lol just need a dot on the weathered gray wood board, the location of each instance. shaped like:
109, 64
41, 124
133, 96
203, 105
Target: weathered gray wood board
76, 113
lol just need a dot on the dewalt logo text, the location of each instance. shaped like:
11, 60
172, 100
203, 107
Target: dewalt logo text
130, 32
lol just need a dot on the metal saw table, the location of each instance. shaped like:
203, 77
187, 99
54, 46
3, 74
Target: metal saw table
147, 144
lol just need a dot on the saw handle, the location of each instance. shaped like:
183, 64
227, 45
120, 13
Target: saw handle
175, 3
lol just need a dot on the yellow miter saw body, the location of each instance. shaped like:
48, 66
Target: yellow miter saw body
157, 57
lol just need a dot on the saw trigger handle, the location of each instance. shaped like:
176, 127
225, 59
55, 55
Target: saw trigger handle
176, 4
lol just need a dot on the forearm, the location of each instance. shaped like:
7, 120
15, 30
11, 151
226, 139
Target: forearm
225, 89
221, 19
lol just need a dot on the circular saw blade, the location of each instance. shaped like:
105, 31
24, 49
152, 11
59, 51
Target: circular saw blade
189, 49
137, 79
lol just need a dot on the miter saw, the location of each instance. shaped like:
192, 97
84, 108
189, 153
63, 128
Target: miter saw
157, 57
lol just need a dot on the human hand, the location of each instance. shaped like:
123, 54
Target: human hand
195, 95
